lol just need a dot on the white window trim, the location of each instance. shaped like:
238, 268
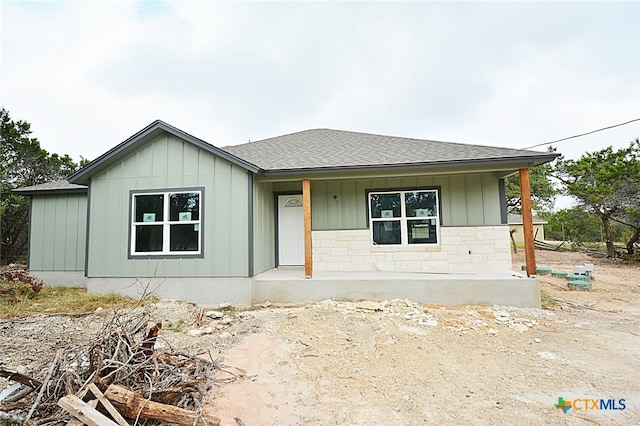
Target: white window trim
166, 225
404, 237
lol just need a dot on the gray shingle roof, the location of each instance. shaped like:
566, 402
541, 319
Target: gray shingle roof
57, 186
326, 148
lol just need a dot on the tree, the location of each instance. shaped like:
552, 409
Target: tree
605, 182
543, 192
575, 225
630, 218
22, 163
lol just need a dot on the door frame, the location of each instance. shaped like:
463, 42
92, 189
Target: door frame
276, 221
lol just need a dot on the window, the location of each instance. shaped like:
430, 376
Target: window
293, 202
166, 223
404, 217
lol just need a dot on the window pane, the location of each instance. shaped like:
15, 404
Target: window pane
148, 238
148, 208
422, 231
386, 232
421, 204
184, 206
385, 205
184, 237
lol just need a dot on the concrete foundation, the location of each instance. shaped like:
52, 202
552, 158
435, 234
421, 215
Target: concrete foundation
203, 291
288, 285
61, 278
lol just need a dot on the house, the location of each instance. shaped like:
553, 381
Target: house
305, 216
515, 225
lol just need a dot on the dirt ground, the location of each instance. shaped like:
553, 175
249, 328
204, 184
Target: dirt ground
401, 363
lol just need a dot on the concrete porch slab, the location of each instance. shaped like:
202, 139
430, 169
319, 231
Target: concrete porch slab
288, 285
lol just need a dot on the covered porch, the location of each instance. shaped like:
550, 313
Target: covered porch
289, 285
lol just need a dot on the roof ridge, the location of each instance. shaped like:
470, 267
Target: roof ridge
367, 134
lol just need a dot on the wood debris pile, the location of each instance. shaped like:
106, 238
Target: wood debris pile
17, 280
119, 374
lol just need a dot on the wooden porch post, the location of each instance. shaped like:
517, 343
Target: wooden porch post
308, 249
527, 222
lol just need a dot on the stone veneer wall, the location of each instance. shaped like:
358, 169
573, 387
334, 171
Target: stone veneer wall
462, 249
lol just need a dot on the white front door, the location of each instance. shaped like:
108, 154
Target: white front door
290, 230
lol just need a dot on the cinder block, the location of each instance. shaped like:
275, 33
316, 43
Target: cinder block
468, 231
409, 266
327, 243
403, 256
434, 266
385, 266
451, 240
340, 251
359, 244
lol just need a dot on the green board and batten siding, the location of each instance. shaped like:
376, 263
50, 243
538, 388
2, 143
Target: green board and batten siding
58, 232
263, 227
164, 163
466, 200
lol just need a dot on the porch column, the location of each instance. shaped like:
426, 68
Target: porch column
308, 249
527, 222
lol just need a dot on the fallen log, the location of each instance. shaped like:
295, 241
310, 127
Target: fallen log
20, 378
134, 405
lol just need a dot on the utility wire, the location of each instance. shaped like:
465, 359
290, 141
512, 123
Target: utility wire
583, 134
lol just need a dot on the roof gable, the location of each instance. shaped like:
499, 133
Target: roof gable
148, 133
338, 149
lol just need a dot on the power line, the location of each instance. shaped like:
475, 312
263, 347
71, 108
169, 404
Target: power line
583, 134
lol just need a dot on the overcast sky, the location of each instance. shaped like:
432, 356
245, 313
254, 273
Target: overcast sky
87, 75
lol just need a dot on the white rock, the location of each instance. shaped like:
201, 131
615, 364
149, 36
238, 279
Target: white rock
196, 332
492, 331
537, 340
225, 335
521, 328
369, 305
547, 355
214, 314
429, 322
